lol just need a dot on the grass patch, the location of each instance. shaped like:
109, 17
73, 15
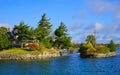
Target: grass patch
19, 51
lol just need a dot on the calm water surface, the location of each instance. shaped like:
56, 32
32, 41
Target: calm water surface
67, 65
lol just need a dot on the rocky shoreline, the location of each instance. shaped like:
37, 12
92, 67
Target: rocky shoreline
101, 55
29, 56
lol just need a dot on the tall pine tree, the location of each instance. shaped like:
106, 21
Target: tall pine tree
62, 38
44, 28
43, 31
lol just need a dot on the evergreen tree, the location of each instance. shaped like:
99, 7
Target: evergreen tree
47, 42
42, 32
112, 46
44, 28
61, 31
6, 31
21, 31
62, 38
4, 37
31, 33
4, 41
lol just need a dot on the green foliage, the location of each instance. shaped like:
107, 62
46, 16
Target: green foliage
48, 43
62, 30
62, 39
4, 30
31, 34
91, 39
43, 31
21, 31
4, 41
63, 42
67, 42
42, 47
4, 37
83, 48
91, 49
44, 28
24, 34
87, 48
102, 49
112, 46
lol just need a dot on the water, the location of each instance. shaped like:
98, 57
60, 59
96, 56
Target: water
67, 65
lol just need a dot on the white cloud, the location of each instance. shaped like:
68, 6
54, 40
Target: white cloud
102, 6
82, 14
76, 26
98, 26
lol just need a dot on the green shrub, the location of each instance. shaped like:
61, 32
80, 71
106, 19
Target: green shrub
4, 41
91, 49
112, 46
102, 49
87, 48
83, 48
47, 44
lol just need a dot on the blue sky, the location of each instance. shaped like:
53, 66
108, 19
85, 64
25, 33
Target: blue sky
82, 17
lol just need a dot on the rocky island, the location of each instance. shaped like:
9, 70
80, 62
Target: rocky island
93, 50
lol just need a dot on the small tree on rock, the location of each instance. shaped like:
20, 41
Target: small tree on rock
91, 39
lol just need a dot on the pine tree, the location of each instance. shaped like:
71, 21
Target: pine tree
62, 38
44, 28
4, 41
21, 31
112, 46
61, 31
42, 32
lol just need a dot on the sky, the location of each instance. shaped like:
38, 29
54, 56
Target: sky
82, 17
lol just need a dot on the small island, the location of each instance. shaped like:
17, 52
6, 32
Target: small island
93, 50
23, 42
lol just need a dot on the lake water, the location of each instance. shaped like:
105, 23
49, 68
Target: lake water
66, 65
